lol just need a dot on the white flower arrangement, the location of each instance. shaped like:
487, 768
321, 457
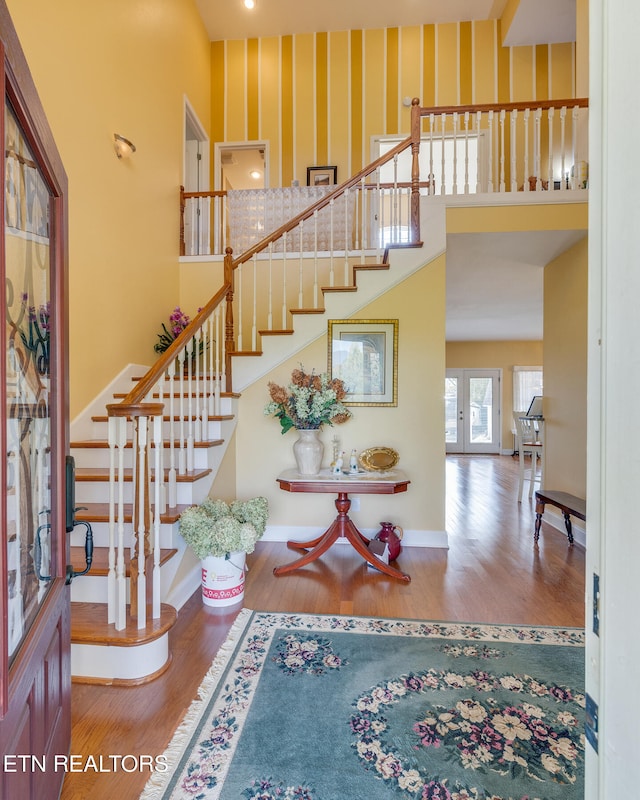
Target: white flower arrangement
216, 528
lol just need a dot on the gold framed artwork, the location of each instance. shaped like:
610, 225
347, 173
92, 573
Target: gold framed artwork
322, 176
364, 354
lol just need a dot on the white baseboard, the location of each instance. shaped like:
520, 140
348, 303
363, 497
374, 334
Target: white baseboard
411, 538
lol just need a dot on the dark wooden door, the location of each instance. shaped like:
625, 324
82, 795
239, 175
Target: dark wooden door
35, 719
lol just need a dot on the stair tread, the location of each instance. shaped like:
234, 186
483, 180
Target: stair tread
89, 626
100, 563
102, 474
338, 288
103, 443
245, 352
99, 512
307, 310
282, 332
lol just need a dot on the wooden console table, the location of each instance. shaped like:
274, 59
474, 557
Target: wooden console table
366, 483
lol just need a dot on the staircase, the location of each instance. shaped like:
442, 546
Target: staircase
132, 655
99, 652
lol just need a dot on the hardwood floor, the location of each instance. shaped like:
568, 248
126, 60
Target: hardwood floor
490, 573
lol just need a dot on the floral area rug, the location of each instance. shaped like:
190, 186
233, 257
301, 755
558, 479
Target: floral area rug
303, 707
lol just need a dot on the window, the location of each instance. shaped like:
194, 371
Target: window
527, 383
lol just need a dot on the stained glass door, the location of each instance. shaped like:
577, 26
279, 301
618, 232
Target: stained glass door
35, 697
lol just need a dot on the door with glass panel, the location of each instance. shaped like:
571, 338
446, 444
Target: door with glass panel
472, 410
35, 682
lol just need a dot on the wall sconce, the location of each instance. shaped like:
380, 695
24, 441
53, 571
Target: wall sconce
123, 147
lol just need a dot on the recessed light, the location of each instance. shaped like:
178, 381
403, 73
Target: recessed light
249, 3
255, 174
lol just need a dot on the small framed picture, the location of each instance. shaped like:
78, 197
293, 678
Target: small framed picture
364, 354
322, 176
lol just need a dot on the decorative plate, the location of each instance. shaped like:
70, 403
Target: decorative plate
379, 459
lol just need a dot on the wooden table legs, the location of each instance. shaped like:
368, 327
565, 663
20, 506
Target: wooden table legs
341, 526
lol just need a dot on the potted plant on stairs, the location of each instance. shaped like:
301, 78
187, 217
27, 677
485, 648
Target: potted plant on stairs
221, 534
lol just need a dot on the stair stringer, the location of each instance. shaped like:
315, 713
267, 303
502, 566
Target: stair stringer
403, 262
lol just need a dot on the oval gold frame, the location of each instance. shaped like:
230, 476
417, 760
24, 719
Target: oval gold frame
379, 459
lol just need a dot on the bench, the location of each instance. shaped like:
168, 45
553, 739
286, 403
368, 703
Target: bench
569, 504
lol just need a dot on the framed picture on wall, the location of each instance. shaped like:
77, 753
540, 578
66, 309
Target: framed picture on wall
364, 354
322, 176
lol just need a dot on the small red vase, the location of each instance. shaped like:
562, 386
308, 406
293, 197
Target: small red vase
391, 534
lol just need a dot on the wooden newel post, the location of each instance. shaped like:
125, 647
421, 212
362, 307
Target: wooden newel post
182, 206
229, 339
415, 170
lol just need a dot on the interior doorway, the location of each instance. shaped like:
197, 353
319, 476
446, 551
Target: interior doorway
196, 178
472, 410
241, 165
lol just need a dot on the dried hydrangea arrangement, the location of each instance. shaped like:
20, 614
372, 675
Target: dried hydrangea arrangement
308, 402
216, 528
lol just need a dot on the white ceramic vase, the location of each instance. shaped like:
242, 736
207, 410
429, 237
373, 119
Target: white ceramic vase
308, 451
223, 579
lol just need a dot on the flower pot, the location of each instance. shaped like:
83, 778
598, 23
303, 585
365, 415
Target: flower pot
223, 579
308, 451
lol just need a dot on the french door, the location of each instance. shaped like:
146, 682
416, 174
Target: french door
35, 681
472, 410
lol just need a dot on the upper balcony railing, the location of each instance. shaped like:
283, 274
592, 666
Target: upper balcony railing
490, 148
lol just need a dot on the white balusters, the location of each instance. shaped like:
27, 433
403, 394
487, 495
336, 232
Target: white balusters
455, 152
331, 271
315, 259
443, 124
182, 451
239, 284
190, 414
116, 579
254, 315
563, 114
157, 442
501, 119
284, 281
466, 152
513, 151
537, 157
527, 114
490, 153
478, 152
172, 475
347, 236
141, 488
301, 266
550, 146
270, 311
218, 380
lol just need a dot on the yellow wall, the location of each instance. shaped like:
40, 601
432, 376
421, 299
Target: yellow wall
318, 98
497, 355
100, 68
414, 428
565, 370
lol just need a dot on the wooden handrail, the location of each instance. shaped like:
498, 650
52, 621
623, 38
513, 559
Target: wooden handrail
146, 384
580, 102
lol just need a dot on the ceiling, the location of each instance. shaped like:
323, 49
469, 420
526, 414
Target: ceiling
494, 281
535, 21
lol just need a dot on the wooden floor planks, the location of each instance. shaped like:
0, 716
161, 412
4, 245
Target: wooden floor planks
490, 573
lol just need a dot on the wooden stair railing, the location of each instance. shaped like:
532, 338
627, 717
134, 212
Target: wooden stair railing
195, 363
525, 146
